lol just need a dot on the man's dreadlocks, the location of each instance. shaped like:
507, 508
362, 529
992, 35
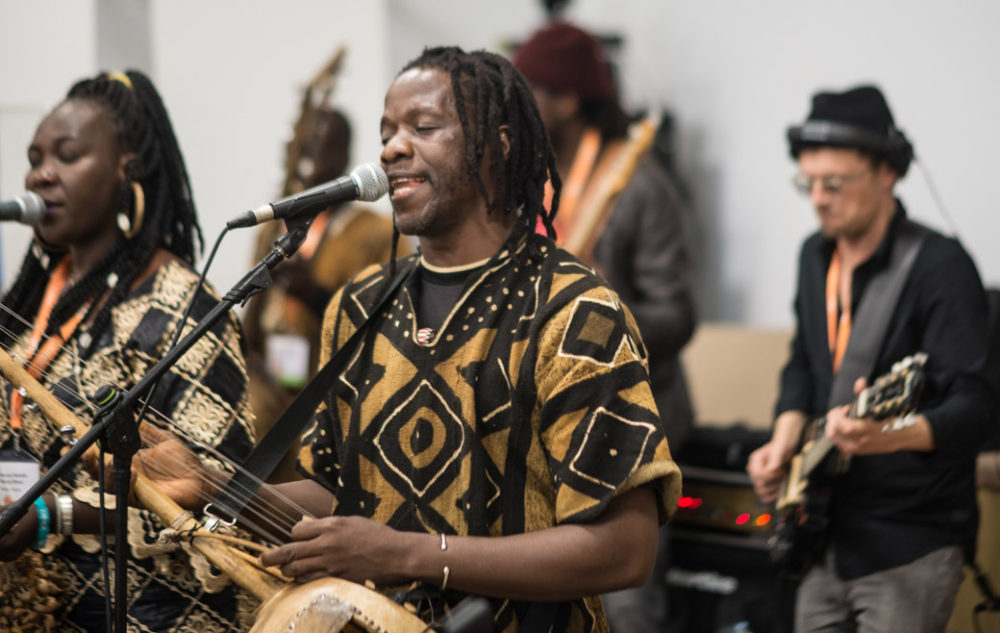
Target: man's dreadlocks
487, 87
169, 220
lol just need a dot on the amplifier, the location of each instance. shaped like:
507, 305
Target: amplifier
724, 503
720, 576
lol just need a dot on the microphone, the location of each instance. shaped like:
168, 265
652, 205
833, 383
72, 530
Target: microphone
366, 182
29, 208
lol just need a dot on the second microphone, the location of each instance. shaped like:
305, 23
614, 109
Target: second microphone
366, 183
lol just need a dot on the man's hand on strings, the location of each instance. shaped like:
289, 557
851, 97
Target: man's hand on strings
868, 436
768, 465
854, 436
349, 547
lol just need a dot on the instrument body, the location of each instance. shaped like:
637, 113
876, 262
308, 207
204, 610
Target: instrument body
329, 605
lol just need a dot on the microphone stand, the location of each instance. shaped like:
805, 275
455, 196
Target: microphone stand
114, 422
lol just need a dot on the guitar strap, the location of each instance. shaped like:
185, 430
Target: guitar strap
874, 311
271, 448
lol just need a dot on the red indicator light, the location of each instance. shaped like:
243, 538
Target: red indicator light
695, 502
685, 502
743, 518
763, 519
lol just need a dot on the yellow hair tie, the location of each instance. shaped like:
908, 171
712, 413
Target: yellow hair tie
122, 77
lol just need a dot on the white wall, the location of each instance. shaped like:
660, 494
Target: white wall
230, 74
735, 74
40, 57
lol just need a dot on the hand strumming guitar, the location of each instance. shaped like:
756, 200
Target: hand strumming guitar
768, 464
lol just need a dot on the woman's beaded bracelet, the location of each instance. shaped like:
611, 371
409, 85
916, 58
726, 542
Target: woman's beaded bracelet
44, 521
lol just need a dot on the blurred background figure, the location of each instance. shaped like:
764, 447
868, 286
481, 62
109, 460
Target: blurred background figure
622, 212
283, 324
96, 302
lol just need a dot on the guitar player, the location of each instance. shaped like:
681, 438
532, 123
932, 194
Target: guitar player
902, 516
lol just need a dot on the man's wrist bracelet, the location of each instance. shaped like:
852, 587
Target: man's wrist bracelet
446, 571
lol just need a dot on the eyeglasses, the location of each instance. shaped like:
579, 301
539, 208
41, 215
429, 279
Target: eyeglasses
831, 183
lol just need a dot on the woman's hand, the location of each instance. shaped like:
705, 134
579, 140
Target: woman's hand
169, 464
20, 537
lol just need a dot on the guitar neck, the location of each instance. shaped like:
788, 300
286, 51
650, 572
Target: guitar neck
821, 447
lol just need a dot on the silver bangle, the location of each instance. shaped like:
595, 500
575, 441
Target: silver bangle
446, 571
444, 581
64, 514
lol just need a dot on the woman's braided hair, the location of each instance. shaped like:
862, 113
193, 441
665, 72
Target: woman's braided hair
488, 88
169, 220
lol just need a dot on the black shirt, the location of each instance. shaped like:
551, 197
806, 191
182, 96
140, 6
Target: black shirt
437, 292
891, 509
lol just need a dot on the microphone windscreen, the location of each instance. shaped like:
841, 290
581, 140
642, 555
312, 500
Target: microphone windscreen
34, 207
371, 181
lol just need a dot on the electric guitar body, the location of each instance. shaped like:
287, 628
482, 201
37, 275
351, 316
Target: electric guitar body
804, 505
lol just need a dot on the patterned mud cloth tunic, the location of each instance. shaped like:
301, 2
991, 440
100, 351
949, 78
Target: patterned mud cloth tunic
206, 398
529, 407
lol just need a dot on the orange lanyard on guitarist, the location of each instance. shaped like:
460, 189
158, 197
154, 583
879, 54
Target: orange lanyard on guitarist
838, 330
41, 354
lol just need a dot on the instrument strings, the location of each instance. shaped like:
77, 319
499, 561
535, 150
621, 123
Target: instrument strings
270, 519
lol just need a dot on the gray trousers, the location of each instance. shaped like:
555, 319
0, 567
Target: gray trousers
917, 597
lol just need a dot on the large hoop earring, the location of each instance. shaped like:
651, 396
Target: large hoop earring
131, 228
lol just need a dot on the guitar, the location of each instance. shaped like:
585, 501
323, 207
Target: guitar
804, 502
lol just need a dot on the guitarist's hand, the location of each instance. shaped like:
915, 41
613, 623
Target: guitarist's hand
865, 436
766, 465
855, 436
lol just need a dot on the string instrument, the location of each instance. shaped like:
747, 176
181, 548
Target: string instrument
803, 505
612, 176
321, 606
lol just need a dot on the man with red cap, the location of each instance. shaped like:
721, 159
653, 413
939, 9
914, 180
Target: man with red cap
622, 213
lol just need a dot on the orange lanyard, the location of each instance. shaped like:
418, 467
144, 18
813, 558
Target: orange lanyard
576, 180
837, 330
41, 354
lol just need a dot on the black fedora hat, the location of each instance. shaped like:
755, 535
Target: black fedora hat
857, 118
